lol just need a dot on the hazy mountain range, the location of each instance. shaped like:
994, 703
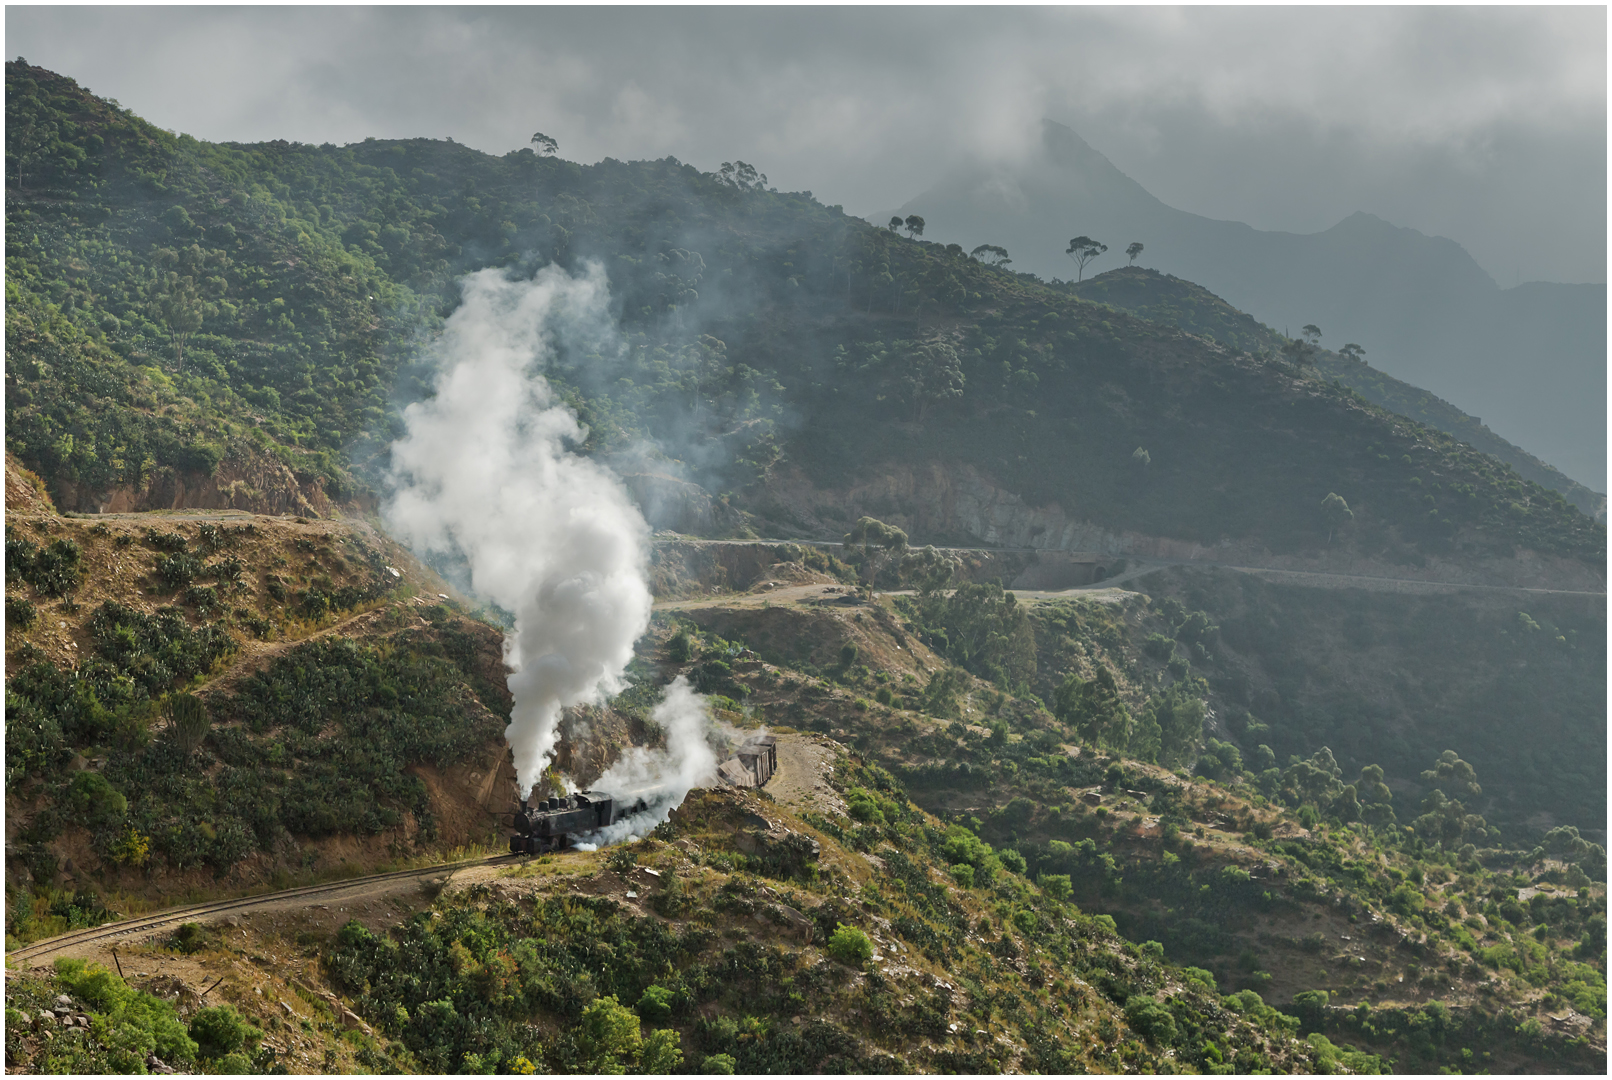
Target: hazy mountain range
1530, 360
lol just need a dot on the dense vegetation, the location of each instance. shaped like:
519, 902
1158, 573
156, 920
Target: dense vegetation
111, 756
459, 989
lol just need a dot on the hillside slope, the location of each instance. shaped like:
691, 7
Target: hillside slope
1530, 360
1174, 302
769, 349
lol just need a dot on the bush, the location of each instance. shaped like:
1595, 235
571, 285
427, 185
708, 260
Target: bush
20, 612
607, 1037
178, 570
963, 874
850, 946
55, 570
1150, 1020
655, 1004
1310, 1006
863, 806
94, 801
1057, 886
192, 938
134, 1023
220, 1031
718, 1065
661, 1054
1159, 647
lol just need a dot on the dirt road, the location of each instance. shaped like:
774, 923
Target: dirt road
801, 780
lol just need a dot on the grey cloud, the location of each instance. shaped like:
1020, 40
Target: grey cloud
1486, 125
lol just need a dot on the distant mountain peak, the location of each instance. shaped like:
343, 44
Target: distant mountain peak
1061, 140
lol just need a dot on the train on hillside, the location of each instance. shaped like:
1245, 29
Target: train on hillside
555, 823
558, 822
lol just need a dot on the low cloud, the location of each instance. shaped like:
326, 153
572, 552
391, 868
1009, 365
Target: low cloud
1487, 125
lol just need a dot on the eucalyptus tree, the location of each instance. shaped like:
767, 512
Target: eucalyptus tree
1083, 249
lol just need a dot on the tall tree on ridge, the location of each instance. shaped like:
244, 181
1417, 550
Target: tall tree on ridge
1083, 249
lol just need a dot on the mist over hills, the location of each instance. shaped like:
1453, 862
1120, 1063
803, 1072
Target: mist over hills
1530, 360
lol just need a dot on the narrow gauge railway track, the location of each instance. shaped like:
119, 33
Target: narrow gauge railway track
146, 923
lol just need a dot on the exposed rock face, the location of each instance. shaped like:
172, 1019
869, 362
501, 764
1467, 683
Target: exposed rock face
245, 480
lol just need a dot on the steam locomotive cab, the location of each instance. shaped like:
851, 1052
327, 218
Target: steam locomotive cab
554, 823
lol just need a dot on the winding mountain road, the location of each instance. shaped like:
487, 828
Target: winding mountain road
1108, 586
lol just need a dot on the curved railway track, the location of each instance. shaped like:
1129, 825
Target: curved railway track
144, 924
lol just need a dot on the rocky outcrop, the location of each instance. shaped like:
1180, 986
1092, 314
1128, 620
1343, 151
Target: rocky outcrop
247, 479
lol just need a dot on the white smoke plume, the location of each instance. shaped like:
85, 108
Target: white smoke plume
487, 469
662, 777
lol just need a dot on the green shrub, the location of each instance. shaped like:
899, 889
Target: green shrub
718, 1065
607, 1037
94, 801
55, 570
850, 946
178, 570
21, 612
1310, 1006
863, 806
963, 874
132, 1023
192, 938
220, 1031
661, 1054
1057, 886
655, 1004
1159, 647
1150, 1020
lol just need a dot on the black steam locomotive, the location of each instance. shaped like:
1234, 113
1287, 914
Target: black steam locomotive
554, 823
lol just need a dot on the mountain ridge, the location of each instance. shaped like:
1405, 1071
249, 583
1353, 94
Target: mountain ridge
1421, 305
1190, 307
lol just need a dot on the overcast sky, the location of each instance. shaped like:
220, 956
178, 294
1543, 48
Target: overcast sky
1486, 125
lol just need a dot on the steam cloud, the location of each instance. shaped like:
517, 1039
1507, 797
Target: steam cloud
664, 777
486, 470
